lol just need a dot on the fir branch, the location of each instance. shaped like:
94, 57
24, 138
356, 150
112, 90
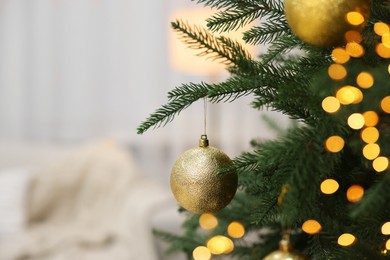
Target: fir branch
222, 4
268, 32
223, 49
165, 114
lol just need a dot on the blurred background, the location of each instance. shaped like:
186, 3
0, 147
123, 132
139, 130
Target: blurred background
86, 73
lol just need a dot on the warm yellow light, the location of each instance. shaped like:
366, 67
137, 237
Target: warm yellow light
387, 245
380, 164
381, 28
236, 230
208, 221
371, 151
354, 49
383, 51
365, 80
334, 144
385, 104
311, 227
201, 253
356, 121
386, 228
353, 36
355, 193
330, 104
329, 186
358, 95
354, 18
220, 245
340, 56
345, 95
370, 134
346, 239
337, 72
371, 118
386, 40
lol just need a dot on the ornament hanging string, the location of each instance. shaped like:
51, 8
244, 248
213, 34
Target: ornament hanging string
205, 115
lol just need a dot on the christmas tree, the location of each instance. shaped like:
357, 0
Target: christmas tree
322, 187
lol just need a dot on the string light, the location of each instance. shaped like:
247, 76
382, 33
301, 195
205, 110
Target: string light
201, 253
355, 193
382, 51
220, 245
380, 164
353, 36
330, 104
371, 118
386, 228
337, 72
334, 144
340, 56
354, 49
381, 28
236, 230
346, 239
387, 245
386, 40
329, 186
208, 221
365, 80
371, 151
354, 18
370, 135
385, 104
356, 121
311, 227
345, 95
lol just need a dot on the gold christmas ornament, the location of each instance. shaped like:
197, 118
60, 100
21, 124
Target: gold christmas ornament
195, 182
324, 23
285, 251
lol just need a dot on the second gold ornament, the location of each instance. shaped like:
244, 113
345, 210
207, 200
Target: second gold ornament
195, 181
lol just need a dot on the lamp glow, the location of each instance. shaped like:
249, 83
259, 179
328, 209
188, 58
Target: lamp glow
330, 104
353, 36
385, 104
371, 151
208, 221
236, 230
381, 28
370, 135
354, 18
386, 228
371, 118
354, 49
340, 56
380, 164
337, 72
201, 253
311, 227
355, 193
334, 144
346, 239
365, 80
329, 186
356, 121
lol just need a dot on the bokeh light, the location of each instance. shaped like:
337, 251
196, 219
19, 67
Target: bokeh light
386, 40
330, 104
365, 80
371, 118
334, 144
208, 221
355, 193
354, 18
354, 49
382, 50
311, 227
329, 186
356, 121
370, 134
371, 151
340, 56
358, 95
381, 28
201, 253
337, 72
386, 228
345, 95
380, 164
353, 36
387, 245
236, 229
385, 104
220, 245
346, 239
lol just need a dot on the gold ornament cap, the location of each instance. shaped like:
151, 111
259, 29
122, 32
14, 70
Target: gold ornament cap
195, 180
285, 251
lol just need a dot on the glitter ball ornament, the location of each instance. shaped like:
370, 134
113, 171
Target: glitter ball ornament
285, 252
195, 181
324, 23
